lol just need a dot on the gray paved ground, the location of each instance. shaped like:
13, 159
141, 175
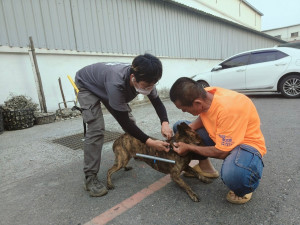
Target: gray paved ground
41, 182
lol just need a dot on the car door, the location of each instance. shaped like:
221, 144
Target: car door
265, 68
232, 75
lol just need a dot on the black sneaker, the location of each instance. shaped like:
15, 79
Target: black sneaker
94, 186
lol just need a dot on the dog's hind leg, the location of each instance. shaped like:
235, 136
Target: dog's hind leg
204, 179
177, 179
121, 160
112, 170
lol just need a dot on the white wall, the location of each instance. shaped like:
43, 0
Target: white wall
16, 73
285, 32
234, 10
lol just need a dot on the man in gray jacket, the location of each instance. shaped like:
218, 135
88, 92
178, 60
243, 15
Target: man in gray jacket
114, 85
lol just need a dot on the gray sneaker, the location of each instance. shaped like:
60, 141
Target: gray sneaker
94, 186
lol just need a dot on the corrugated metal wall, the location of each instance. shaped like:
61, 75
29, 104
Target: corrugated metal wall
123, 27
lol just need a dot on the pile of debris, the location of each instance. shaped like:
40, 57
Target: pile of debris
18, 102
18, 112
65, 114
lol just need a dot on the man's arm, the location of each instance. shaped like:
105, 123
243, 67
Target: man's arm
160, 109
162, 114
196, 124
130, 127
207, 151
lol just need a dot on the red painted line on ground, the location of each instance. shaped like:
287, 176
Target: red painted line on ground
128, 203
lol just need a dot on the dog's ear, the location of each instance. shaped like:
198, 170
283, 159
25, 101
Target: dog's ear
185, 126
182, 128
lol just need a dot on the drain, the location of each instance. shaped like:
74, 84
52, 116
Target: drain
76, 141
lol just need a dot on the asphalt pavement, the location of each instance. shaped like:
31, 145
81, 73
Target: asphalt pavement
41, 182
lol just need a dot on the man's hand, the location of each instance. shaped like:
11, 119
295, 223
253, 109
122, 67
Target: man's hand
158, 145
181, 148
166, 131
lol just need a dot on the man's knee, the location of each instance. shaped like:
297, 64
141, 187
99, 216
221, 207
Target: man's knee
240, 179
241, 183
95, 131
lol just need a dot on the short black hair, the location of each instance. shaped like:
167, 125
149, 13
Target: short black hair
146, 68
186, 90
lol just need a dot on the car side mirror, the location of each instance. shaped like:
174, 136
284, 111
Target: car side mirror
216, 68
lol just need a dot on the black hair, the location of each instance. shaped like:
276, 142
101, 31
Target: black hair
146, 68
185, 90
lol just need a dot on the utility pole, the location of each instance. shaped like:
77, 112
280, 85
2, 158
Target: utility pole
37, 77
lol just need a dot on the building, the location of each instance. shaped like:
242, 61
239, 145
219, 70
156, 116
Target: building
187, 36
238, 11
288, 34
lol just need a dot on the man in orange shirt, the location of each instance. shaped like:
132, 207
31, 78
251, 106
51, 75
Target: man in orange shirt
233, 128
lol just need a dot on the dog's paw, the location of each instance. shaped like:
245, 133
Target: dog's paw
110, 186
127, 168
194, 197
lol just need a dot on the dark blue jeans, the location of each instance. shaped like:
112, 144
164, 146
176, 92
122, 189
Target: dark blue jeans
241, 170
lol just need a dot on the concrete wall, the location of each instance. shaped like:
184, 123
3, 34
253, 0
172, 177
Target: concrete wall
17, 73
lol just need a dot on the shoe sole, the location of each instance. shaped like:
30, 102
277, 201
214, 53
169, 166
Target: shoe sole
245, 199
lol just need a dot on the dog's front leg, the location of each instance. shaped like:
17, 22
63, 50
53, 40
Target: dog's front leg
177, 179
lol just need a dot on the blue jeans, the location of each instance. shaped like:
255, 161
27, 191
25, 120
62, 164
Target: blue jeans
241, 170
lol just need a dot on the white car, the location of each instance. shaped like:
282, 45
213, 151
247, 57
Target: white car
274, 69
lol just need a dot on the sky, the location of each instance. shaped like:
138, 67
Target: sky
277, 13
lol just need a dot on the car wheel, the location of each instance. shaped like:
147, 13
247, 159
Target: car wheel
203, 83
290, 86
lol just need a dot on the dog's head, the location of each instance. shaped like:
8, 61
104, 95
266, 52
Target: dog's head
187, 135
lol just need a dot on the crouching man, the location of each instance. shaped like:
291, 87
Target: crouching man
233, 126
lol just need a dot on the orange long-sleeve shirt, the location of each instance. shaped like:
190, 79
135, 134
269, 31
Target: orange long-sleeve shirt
231, 120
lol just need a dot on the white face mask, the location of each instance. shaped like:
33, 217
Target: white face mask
141, 90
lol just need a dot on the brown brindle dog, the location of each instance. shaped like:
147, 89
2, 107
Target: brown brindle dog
126, 147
